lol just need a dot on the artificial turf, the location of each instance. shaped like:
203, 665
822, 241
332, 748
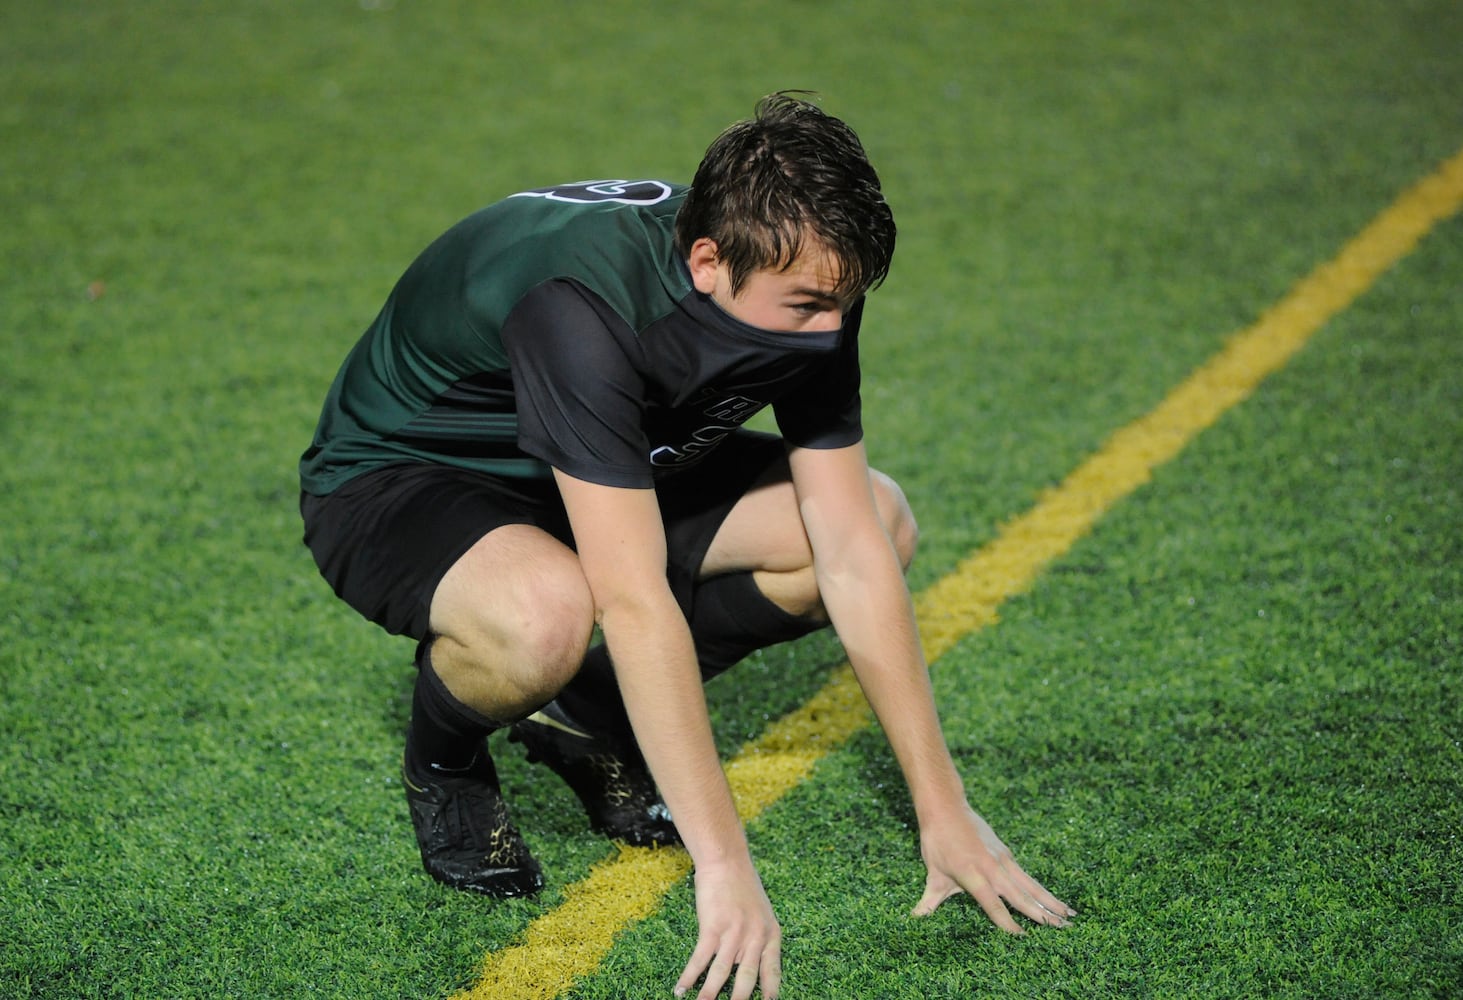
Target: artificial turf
1225, 727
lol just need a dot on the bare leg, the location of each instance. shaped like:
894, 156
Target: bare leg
512, 619
758, 587
764, 534
510, 622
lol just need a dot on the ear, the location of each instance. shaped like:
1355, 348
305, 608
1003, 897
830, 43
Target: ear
704, 264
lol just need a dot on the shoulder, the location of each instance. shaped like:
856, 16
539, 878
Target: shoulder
615, 238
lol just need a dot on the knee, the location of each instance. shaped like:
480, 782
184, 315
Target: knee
898, 518
554, 626
510, 662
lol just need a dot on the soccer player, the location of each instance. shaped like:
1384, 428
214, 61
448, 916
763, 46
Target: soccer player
542, 432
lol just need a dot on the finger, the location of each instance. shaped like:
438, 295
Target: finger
700, 958
746, 981
772, 971
766, 967
1033, 893
936, 892
716, 978
1054, 915
1053, 906
990, 901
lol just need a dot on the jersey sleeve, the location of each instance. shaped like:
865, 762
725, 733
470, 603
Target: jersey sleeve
578, 385
826, 410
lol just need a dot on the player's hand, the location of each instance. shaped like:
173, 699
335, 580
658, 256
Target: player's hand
738, 931
964, 854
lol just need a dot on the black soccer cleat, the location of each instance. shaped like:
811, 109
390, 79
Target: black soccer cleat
606, 772
462, 826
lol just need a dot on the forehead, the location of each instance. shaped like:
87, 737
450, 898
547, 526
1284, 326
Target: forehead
815, 268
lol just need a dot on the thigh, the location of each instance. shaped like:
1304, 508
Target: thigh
762, 531
385, 540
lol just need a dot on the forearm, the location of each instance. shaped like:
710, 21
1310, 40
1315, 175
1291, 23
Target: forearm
868, 602
655, 665
621, 545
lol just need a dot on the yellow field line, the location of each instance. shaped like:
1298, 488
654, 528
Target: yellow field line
572, 940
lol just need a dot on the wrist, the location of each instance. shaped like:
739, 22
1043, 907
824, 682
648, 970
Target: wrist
938, 802
724, 861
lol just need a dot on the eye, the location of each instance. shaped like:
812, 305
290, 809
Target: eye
814, 307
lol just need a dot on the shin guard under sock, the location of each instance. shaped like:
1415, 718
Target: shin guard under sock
592, 698
731, 618
443, 733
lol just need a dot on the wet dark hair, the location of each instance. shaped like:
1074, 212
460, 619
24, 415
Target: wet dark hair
790, 172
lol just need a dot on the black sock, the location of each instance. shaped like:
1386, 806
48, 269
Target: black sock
592, 698
731, 618
443, 733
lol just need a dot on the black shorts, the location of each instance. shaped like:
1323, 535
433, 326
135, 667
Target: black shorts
385, 539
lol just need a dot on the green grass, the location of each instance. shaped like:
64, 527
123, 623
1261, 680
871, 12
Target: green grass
1226, 727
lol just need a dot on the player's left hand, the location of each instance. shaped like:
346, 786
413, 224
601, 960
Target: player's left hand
964, 854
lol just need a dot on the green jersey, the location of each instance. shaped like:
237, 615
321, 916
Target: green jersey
559, 328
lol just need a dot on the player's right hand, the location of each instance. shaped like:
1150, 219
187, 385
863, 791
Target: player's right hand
738, 932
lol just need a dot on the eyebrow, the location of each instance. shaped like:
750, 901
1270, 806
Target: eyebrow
821, 296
